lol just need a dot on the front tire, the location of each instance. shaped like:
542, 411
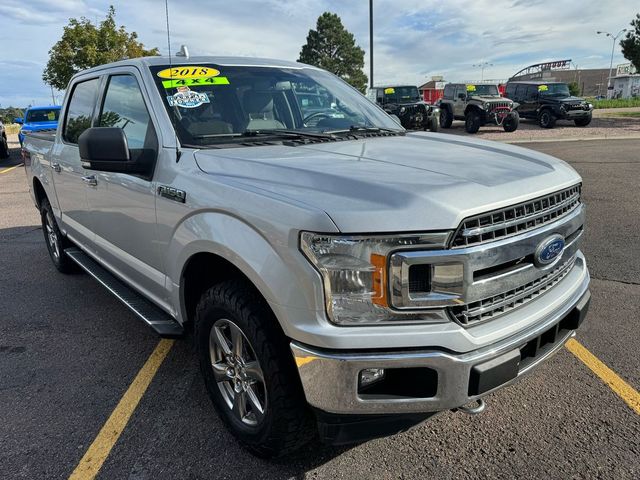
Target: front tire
4, 147
546, 119
510, 124
472, 121
55, 240
582, 122
446, 118
434, 123
249, 372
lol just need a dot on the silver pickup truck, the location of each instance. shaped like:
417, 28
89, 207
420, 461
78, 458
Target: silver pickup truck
341, 278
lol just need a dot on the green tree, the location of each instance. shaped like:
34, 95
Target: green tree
84, 45
631, 43
574, 89
332, 47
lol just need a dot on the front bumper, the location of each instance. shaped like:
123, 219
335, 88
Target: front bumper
331, 379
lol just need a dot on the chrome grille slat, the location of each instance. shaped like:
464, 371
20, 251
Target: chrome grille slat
492, 307
516, 219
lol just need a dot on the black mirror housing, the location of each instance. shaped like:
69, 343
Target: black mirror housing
106, 149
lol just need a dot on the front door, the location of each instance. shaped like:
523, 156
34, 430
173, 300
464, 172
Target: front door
459, 100
122, 204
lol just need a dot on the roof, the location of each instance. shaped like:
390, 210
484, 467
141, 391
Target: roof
430, 84
49, 107
225, 61
394, 85
533, 82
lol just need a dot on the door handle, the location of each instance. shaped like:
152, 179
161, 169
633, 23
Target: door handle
56, 167
90, 180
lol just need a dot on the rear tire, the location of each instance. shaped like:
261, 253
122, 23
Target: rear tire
446, 118
55, 240
4, 147
546, 119
249, 372
472, 121
582, 122
510, 124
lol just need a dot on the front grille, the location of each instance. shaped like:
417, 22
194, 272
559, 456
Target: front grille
516, 219
497, 305
499, 105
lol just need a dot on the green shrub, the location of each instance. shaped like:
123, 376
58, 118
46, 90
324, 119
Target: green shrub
617, 103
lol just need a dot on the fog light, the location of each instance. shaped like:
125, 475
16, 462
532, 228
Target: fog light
369, 376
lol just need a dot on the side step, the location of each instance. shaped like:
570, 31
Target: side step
165, 325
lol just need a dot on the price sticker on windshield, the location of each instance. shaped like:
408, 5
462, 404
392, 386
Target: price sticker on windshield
188, 71
471, 88
543, 88
389, 91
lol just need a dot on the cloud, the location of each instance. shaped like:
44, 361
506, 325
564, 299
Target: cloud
413, 40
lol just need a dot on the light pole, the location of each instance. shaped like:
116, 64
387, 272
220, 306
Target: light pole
613, 47
482, 66
371, 43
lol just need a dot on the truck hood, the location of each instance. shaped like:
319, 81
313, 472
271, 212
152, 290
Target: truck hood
419, 182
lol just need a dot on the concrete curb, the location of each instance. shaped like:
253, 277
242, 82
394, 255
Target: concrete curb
575, 139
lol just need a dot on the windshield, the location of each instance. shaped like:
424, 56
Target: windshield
211, 103
483, 90
43, 115
554, 90
401, 94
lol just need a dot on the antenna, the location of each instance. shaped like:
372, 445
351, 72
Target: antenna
166, 10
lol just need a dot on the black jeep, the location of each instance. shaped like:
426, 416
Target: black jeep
547, 102
404, 101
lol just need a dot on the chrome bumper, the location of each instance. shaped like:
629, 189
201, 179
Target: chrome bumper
330, 379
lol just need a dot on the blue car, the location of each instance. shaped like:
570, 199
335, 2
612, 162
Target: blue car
37, 119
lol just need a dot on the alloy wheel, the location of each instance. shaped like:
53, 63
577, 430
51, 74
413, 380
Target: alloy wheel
237, 372
52, 236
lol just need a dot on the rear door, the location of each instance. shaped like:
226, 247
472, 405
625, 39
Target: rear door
459, 100
69, 177
123, 204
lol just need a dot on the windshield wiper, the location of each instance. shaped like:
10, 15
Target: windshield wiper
285, 132
364, 129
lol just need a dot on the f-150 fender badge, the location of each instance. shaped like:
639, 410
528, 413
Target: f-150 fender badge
172, 193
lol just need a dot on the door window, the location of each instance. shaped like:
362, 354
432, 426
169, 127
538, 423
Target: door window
124, 107
80, 109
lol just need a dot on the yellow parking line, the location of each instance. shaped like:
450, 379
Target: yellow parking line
11, 168
625, 391
98, 452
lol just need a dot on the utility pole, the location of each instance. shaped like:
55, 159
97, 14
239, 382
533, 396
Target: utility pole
371, 43
613, 47
482, 66
53, 97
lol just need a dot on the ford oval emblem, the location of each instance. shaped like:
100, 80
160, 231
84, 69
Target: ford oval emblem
549, 250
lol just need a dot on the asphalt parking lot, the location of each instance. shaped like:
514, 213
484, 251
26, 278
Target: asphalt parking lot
69, 351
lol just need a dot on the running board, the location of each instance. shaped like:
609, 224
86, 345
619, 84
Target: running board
160, 321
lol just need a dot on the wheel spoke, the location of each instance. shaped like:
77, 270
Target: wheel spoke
240, 405
221, 340
220, 372
254, 372
256, 406
236, 341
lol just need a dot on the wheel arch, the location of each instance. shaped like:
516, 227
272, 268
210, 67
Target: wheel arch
39, 192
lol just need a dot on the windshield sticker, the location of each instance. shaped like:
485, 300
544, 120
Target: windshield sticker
192, 82
389, 91
189, 71
51, 116
543, 88
187, 98
471, 88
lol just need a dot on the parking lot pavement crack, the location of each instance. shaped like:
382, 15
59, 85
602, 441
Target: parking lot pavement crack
605, 279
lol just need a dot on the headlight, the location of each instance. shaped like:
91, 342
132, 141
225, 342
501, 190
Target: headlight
487, 106
354, 271
403, 109
590, 106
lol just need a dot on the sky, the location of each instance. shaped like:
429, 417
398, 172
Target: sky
413, 39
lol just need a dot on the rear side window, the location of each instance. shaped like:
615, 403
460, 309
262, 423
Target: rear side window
532, 91
511, 91
448, 91
80, 109
124, 108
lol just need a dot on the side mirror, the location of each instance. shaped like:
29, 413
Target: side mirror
18, 120
106, 149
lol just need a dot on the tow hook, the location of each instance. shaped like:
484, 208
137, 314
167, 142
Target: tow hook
475, 410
